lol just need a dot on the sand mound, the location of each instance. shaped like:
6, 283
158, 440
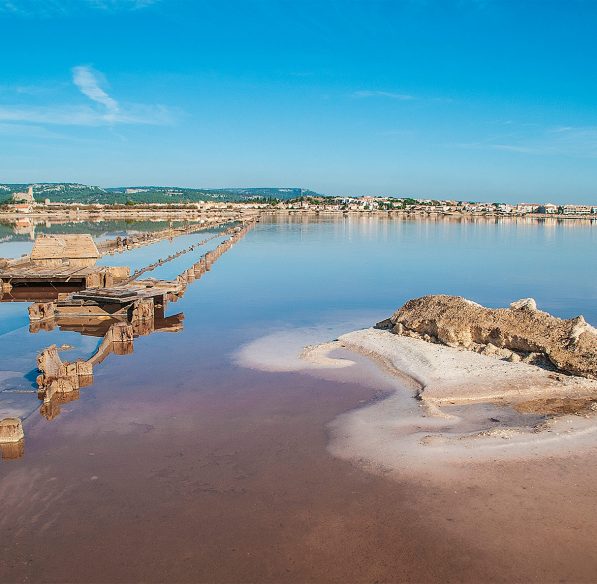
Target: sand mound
518, 333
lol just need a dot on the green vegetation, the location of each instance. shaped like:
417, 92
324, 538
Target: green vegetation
88, 195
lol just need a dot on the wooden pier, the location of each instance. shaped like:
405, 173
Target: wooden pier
116, 312
124, 243
131, 297
83, 277
59, 261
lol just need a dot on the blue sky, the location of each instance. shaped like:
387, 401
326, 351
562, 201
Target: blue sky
474, 99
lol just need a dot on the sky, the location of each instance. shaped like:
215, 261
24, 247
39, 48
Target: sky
492, 100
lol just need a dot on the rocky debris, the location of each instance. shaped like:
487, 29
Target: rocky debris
51, 409
58, 377
143, 310
518, 333
41, 310
523, 304
118, 340
59, 382
11, 430
558, 405
115, 274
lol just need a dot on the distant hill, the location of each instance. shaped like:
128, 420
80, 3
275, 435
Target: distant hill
159, 194
85, 194
64, 192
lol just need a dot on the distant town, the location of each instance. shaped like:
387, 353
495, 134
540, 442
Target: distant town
41, 198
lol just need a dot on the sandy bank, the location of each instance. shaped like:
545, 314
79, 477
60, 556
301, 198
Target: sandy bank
450, 375
465, 414
473, 409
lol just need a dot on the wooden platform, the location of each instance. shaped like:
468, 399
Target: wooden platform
124, 295
25, 281
30, 274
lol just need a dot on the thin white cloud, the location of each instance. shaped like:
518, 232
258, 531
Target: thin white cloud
104, 109
88, 83
394, 133
71, 115
570, 141
121, 4
515, 148
27, 131
388, 94
24, 89
53, 8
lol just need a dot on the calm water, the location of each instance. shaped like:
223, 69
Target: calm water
177, 443
16, 239
331, 276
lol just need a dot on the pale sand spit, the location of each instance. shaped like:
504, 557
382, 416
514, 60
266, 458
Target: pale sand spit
463, 416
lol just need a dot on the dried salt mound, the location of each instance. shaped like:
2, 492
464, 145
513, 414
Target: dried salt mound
520, 332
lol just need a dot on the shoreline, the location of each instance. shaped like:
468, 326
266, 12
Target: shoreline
447, 375
452, 410
227, 210
422, 427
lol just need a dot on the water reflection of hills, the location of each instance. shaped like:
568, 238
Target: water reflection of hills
26, 228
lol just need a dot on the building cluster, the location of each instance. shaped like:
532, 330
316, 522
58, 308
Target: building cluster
367, 203
548, 209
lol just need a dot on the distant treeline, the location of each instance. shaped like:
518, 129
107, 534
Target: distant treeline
87, 195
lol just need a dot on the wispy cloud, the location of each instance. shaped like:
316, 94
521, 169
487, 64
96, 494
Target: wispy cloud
396, 133
88, 83
388, 94
28, 131
571, 141
22, 89
121, 4
87, 115
53, 8
515, 148
104, 109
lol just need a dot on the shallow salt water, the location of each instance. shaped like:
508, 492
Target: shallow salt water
208, 467
299, 281
16, 239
